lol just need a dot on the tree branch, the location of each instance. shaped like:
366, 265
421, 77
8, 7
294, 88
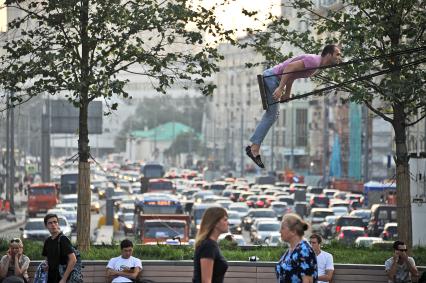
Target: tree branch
377, 112
415, 122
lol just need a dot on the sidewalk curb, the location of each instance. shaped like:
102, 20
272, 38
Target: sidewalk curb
12, 226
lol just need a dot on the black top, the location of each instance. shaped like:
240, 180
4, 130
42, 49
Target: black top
56, 256
210, 249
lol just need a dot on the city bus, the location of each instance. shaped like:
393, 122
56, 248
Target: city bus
69, 181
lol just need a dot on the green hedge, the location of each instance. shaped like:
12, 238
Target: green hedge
342, 254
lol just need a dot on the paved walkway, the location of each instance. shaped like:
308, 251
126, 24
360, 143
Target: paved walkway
7, 224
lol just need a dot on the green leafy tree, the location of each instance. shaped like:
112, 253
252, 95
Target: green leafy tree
364, 28
77, 48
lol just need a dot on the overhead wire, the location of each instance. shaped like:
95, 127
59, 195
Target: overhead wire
339, 85
361, 60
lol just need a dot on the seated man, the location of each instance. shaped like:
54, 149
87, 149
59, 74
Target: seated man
400, 268
124, 268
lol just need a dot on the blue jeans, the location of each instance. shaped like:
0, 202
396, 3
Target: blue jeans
271, 115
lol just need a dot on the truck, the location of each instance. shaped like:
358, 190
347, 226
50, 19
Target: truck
159, 217
150, 171
69, 182
158, 228
41, 198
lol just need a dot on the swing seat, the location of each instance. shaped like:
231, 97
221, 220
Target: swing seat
261, 83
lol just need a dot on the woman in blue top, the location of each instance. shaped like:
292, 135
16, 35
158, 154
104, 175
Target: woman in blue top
299, 263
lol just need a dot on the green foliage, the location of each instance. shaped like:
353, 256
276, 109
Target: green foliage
364, 29
74, 46
341, 253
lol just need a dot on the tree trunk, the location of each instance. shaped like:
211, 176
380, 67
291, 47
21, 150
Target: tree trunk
402, 178
84, 198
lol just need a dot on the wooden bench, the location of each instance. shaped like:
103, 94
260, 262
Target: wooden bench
238, 272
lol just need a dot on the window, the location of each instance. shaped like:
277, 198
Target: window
383, 215
301, 127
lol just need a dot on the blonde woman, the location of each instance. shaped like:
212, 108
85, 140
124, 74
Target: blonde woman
14, 265
209, 264
299, 263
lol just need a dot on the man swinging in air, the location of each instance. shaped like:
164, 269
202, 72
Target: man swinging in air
278, 87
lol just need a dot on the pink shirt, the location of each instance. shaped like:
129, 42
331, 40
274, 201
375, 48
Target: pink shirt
309, 60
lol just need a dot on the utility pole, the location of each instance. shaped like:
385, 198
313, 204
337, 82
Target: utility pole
325, 142
272, 147
365, 140
45, 142
7, 195
242, 143
291, 136
12, 158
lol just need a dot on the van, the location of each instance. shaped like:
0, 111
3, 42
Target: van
380, 215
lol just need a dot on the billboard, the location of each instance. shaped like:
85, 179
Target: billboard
64, 117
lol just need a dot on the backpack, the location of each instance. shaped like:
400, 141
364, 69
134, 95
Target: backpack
40, 275
76, 275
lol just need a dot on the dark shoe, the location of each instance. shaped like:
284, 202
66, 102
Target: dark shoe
256, 159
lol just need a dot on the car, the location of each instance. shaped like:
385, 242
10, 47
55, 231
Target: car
365, 215
234, 221
262, 228
390, 232
257, 213
314, 190
367, 241
329, 192
34, 229
348, 234
65, 226
319, 201
241, 208
70, 216
317, 216
351, 221
340, 210
380, 215
66, 206
274, 239
326, 227
280, 208
127, 222
239, 239
94, 204
224, 203
71, 198
201, 195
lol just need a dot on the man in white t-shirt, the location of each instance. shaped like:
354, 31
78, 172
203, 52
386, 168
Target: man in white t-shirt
124, 268
324, 259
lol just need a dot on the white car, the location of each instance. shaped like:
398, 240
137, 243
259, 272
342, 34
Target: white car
340, 210
274, 239
70, 216
65, 226
34, 229
234, 221
239, 207
367, 241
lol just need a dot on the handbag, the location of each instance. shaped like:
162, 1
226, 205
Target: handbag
76, 275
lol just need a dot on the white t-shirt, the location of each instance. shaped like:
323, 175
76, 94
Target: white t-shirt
120, 264
324, 262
